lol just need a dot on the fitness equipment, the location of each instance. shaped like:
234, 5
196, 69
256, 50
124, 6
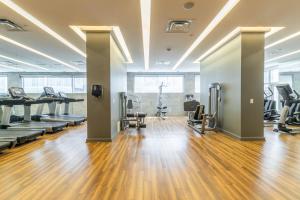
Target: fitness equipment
286, 93
208, 122
19, 136
294, 112
7, 143
196, 117
190, 105
161, 108
270, 111
20, 98
129, 119
55, 106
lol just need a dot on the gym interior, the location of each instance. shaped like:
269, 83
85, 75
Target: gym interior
149, 99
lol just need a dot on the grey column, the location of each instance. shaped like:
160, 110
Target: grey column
238, 66
106, 67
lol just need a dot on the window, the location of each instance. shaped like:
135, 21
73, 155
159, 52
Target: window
275, 76
34, 84
286, 79
266, 77
79, 85
70, 84
150, 84
3, 84
63, 84
197, 83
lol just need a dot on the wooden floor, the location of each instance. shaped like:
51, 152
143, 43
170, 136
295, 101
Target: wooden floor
165, 161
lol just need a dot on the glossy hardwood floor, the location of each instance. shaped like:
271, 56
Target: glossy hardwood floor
165, 161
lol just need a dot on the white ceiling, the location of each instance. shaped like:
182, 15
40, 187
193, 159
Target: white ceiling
58, 15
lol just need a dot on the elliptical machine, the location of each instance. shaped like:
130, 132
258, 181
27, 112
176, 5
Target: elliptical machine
286, 93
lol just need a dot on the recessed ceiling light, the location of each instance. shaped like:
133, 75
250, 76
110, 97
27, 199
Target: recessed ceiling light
146, 27
37, 52
117, 34
283, 40
189, 5
10, 67
283, 56
163, 62
41, 25
273, 31
22, 62
212, 25
231, 35
272, 65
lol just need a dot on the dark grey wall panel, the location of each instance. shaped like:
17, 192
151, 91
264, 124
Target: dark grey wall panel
238, 66
224, 66
252, 84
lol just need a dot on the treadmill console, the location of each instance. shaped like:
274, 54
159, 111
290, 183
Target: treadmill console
63, 95
285, 91
49, 91
17, 92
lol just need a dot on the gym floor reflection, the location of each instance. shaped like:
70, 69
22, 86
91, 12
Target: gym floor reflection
164, 161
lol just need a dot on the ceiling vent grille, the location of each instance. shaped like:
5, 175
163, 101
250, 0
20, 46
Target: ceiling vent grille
178, 26
10, 26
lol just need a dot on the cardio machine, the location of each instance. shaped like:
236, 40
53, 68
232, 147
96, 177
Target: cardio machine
15, 136
19, 94
286, 93
7, 143
54, 108
270, 111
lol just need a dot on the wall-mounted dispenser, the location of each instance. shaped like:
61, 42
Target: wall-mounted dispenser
97, 91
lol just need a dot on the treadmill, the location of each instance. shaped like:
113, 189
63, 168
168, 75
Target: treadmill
54, 109
27, 124
15, 136
7, 143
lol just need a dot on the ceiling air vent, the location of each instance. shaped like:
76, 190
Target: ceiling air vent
179, 26
10, 26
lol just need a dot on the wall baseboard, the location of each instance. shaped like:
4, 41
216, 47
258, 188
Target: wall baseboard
242, 138
88, 140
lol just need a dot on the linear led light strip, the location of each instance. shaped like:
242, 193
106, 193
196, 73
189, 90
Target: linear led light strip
283, 40
41, 25
22, 62
213, 24
235, 32
146, 27
37, 52
10, 67
283, 56
116, 32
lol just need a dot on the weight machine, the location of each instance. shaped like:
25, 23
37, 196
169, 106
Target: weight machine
129, 117
161, 108
201, 122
